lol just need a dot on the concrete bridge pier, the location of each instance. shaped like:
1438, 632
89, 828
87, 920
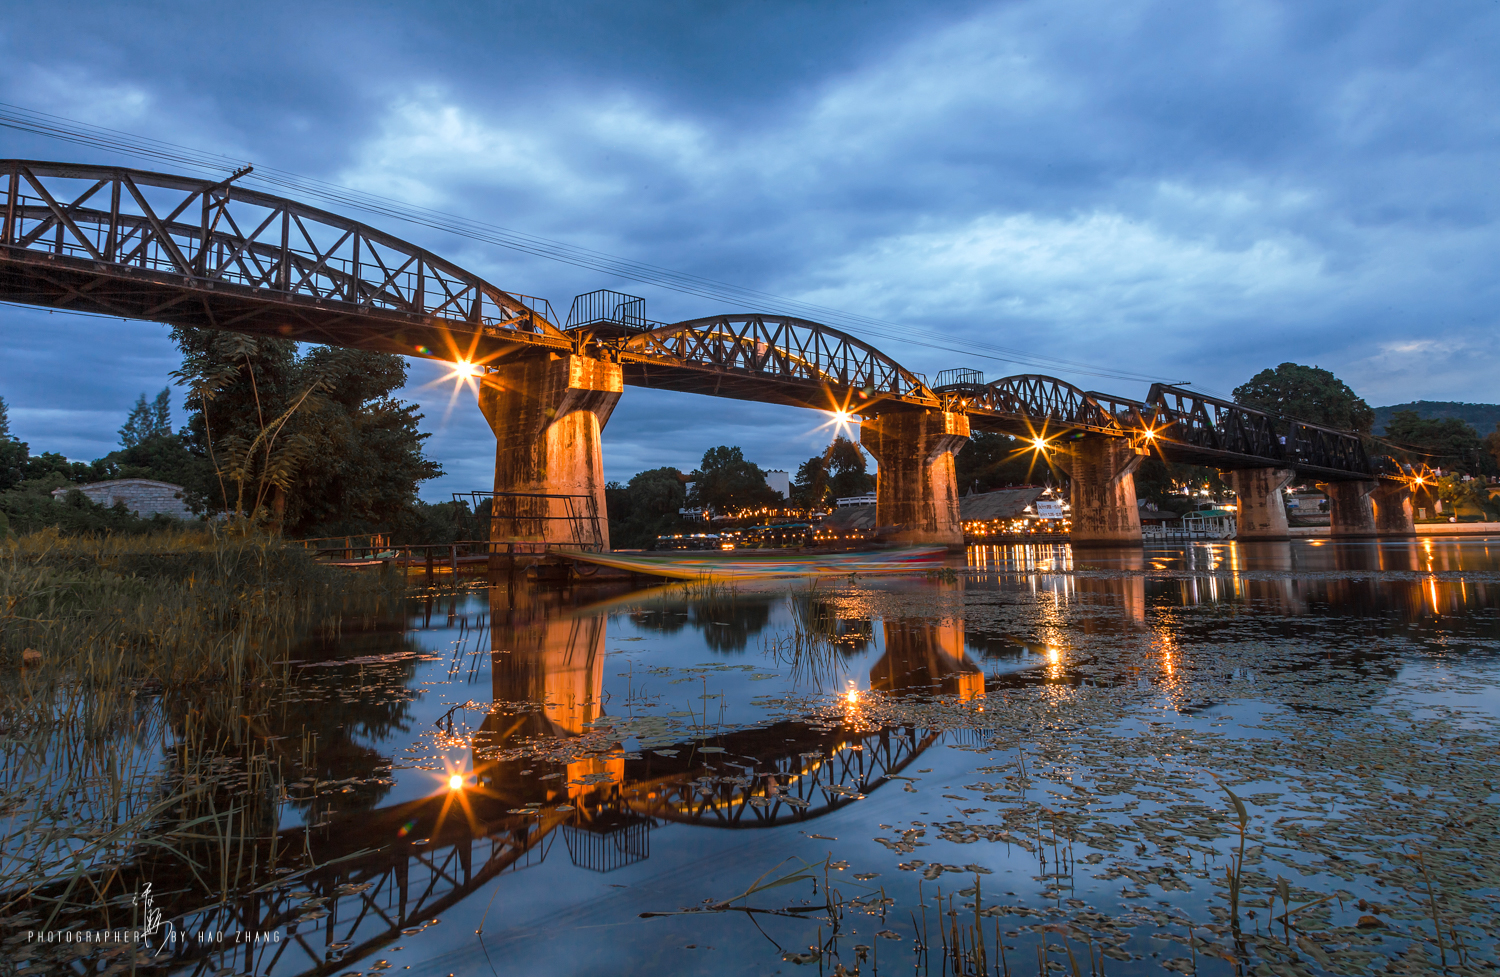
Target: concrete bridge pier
547, 413
1369, 508
1260, 508
916, 489
1103, 494
1393, 511
1350, 511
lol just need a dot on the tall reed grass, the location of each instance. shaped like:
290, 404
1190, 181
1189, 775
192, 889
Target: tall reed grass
133, 738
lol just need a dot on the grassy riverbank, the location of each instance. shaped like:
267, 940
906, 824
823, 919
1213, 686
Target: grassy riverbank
166, 609
133, 671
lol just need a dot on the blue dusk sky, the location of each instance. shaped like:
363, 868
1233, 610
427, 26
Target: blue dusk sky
1181, 191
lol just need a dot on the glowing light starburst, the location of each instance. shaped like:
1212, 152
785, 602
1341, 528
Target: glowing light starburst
462, 373
466, 367
1035, 447
841, 421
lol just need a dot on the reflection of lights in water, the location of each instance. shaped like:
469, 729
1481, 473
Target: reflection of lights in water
1054, 662
852, 697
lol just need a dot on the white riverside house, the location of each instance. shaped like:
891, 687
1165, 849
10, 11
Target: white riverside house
142, 496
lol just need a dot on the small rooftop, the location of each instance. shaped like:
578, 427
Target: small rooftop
999, 504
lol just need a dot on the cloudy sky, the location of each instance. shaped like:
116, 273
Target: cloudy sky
1186, 191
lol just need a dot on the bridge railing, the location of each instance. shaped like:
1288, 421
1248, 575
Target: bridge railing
832, 368
607, 308
204, 233
1197, 427
1221, 426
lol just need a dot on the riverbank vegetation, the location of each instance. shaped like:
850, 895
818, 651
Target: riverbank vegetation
305, 444
166, 608
134, 675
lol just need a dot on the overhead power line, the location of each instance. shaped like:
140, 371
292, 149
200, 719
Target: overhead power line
285, 182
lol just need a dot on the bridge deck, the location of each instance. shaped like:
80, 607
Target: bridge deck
190, 252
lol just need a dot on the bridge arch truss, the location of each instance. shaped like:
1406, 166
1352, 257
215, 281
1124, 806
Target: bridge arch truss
781, 359
187, 251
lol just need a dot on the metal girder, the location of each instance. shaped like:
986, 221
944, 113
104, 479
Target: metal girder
780, 359
1040, 405
186, 251
1180, 425
846, 768
1208, 430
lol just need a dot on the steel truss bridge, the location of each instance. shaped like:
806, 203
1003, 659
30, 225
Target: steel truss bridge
191, 252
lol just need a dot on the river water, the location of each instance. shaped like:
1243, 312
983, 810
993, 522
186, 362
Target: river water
1195, 758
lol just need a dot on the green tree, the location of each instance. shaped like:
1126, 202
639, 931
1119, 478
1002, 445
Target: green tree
165, 458
13, 453
27, 482
810, 484
840, 471
1309, 394
18, 464
51, 465
645, 508
726, 482
146, 421
1158, 482
443, 522
1446, 442
847, 471
1466, 499
1492, 444
311, 444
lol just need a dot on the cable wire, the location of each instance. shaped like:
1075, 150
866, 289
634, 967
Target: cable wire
283, 181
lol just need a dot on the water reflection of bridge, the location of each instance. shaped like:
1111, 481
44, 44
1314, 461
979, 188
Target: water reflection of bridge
362, 879
355, 884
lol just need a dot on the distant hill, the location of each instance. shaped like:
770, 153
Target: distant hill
1482, 417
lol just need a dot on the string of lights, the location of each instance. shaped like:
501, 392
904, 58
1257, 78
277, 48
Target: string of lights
285, 182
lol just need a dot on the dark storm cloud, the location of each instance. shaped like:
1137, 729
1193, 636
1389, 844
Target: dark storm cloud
1182, 190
